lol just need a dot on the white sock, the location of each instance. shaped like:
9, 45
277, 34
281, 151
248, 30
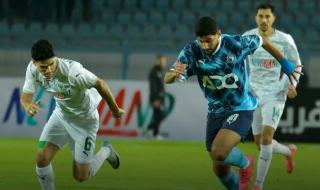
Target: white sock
264, 161
280, 148
98, 160
46, 177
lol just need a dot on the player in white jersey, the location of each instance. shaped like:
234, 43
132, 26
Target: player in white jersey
271, 91
75, 119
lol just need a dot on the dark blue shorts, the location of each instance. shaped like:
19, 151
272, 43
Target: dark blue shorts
238, 121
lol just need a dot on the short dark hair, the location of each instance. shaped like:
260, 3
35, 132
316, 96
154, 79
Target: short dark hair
206, 26
266, 6
42, 50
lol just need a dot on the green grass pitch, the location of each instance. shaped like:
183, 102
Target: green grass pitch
150, 165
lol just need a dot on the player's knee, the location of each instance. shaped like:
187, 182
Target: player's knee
80, 176
218, 154
42, 160
266, 139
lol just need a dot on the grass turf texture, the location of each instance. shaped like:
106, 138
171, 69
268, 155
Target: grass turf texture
149, 165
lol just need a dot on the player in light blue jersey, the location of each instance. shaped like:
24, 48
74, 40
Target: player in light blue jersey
218, 62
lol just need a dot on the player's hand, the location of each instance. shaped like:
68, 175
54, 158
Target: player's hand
290, 69
118, 113
33, 108
293, 76
292, 92
180, 69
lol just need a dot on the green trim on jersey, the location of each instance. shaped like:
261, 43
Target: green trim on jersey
41, 144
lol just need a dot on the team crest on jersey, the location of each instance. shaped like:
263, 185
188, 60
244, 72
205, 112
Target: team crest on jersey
58, 89
232, 118
230, 58
61, 90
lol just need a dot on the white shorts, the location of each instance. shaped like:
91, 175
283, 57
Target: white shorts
268, 114
80, 133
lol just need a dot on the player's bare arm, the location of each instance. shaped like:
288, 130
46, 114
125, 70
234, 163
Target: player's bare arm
173, 75
106, 94
26, 101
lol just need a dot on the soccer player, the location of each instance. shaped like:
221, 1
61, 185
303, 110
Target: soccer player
75, 119
270, 91
218, 61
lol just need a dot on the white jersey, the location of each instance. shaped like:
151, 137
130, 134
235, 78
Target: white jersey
71, 87
264, 69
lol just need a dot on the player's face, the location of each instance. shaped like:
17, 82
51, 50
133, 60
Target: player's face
265, 19
209, 43
47, 67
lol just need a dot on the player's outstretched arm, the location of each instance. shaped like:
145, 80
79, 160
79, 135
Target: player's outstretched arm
170, 77
173, 75
106, 94
26, 102
287, 66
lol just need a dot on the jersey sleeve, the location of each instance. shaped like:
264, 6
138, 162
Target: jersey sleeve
30, 85
187, 57
81, 77
249, 43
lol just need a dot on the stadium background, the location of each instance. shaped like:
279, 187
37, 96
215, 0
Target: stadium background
118, 40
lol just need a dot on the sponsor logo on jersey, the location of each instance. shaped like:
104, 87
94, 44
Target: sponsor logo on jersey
267, 63
226, 81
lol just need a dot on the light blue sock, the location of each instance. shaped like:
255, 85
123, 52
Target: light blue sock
236, 158
230, 181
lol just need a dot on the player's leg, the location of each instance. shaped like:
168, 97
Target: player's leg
52, 138
265, 155
83, 135
86, 164
265, 151
222, 171
223, 147
271, 113
289, 155
224, 150
44, 168
257, 126
227, 177
276, 108
223, 156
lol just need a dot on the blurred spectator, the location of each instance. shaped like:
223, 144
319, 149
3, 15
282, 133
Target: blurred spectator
157, 92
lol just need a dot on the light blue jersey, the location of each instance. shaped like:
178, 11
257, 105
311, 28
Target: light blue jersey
222, 75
